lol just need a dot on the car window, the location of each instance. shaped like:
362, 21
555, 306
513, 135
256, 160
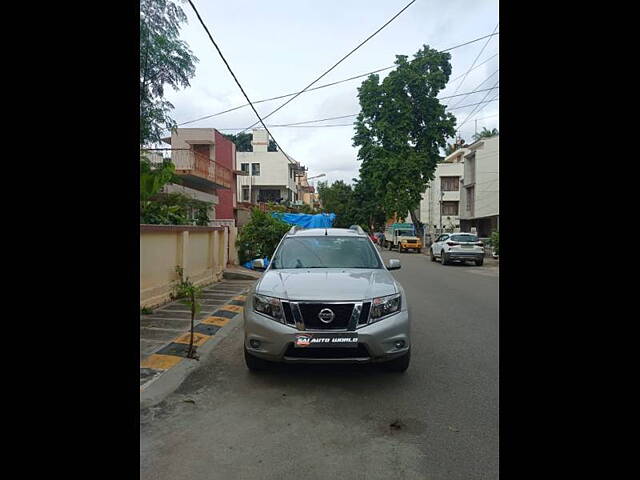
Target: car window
443, 238
464, 238
326, 252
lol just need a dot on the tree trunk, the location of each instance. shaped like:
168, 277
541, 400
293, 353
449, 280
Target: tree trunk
416, 223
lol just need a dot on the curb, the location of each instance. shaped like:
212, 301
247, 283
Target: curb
172, 369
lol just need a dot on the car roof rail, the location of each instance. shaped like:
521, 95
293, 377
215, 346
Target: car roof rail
294, 229
358, 229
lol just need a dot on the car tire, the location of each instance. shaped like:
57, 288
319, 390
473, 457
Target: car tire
433, 257
400, 249
400, 364
479, 262
255, 364
443, 258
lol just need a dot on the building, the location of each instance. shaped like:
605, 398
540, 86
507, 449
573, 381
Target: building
440, 205
268, 176
205, 160
480, 192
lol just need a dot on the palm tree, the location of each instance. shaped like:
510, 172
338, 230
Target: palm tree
485, 134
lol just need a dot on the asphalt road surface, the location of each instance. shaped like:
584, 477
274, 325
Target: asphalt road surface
438, 420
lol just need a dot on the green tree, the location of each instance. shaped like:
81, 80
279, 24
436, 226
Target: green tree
338, 199
485, 134
164, 60
260, 236
243, 142
401, 128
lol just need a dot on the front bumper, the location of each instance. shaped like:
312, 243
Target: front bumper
415, 246
276, 338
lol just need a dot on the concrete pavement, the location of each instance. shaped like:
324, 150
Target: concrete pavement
439, 420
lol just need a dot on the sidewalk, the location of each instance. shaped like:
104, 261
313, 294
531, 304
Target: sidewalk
165, 333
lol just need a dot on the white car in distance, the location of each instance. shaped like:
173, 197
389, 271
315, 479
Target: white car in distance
457, 247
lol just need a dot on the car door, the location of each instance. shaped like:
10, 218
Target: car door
435, 245
440, 244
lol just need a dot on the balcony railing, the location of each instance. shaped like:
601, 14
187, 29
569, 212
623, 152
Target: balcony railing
190, 163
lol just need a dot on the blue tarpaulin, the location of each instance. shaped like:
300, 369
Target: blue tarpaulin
305, 220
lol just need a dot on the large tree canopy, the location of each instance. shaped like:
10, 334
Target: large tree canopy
164, 60
401, 128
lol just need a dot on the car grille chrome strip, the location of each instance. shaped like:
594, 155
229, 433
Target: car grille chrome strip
355, 316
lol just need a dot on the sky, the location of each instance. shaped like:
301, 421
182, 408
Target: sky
280, 46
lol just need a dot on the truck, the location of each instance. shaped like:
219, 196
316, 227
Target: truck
403, 237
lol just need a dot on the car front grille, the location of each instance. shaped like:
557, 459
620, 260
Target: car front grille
411, 241
311, 320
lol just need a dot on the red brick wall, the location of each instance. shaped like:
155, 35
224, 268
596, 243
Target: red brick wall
225, 151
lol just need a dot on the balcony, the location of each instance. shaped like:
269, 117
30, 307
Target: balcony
198, 170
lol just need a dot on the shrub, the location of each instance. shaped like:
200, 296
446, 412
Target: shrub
494, 241
259, 238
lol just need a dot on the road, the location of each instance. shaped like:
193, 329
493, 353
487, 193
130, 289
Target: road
439, 420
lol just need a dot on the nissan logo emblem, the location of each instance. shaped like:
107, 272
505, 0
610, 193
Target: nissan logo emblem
326, 315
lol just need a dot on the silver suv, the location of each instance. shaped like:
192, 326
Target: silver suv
327, 297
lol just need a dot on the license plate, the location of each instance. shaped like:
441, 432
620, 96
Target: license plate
467, 246
326, 340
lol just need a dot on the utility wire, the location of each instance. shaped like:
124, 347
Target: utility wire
237, 82
476, 59
332, 84
337, 63
296, 124
477, 66
258, 101
476, 108
477, 86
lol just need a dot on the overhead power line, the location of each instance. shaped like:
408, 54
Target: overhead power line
266, 100
477, 66
476, 87
236, 80
295, 124
338, 62
476, 108
476, 59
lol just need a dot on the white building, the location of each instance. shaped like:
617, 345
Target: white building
440, 205
270, 176
480, 195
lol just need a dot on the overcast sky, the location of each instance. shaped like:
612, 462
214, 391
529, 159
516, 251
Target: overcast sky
278, 47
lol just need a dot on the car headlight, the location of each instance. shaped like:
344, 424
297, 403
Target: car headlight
382, 307
269, 306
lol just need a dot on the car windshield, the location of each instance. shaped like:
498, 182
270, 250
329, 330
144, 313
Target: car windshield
464, 238
405, 233
326, 252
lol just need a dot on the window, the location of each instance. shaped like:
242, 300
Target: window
470, 198
245, 168
245, 190
326, 252
464, 238
449, 184
450, 208
255, 169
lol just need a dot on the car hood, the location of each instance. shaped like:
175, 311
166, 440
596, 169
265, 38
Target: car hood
330, 284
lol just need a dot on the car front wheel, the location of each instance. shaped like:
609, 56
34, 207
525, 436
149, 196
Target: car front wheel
433, 257
254, 364
443, 258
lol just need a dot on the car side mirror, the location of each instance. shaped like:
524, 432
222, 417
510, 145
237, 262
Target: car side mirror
258, 264
393, 264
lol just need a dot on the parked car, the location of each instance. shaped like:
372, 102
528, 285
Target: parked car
457, 247
327, 297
